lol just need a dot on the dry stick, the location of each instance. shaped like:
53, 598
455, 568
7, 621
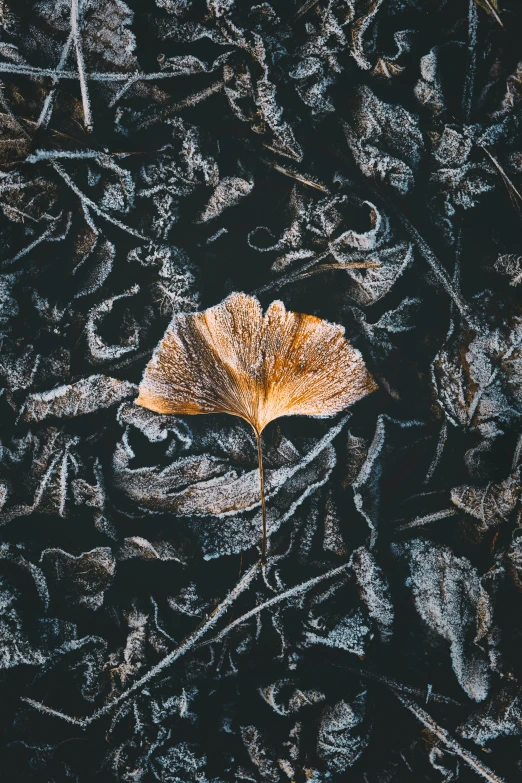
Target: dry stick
191, 100
305, 271
326, 267
87, 201
391, 683
469, 84
509, 184
187, 644
448, 740
45, 114
81, 65
93, 76
427, 518
304, 9
493, 12
437, 268
42, 238
296, 590
262, 491
297, 176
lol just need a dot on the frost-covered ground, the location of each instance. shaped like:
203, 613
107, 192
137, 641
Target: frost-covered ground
155, 156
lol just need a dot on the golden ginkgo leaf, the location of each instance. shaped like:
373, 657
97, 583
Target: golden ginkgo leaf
233, 359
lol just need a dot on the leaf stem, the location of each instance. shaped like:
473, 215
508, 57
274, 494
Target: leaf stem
262, 491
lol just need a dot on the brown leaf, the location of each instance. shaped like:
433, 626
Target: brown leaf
232, 359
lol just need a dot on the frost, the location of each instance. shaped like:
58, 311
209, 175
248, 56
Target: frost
385, 141
374, 590
338, 744
451, 600
228, 193
80, 579
77, 399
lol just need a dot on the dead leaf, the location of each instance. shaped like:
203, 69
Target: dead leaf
232, 359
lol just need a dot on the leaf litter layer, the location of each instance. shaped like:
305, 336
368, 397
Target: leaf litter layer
361, 162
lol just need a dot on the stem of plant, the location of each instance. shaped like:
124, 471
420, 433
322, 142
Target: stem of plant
262, 490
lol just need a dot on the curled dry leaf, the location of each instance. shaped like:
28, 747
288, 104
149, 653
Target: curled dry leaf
232, 359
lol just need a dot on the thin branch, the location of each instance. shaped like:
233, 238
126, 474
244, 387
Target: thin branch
447, 740
45, 114
293, 591
191, 100
87, 201
493, 11
469, 84
508, 183
427, 518
443, 435
305, 180
304, 9
305, 271
42, 238
92, 76
391, 683
437, 268
75, 29
187, 644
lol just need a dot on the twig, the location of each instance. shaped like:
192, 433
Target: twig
443, 435
75, 29
448, 740
87, 201
297, 176
191, 100
391, 683
93, 76
45, 114
493, 11
304, 9
469, 84
427, 518
509, 184
42, 238
296, 590
187, 644
437, 268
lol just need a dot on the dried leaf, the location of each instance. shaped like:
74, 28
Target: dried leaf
231, 359
81, 580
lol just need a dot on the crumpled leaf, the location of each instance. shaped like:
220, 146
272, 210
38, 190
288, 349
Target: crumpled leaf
385, 141
374, 590
491, 505
206, 485
76, 399
322, 226
476, 378
80, 580
228, 193
450, 599
285, 698
340, 743
499, 716
99, 350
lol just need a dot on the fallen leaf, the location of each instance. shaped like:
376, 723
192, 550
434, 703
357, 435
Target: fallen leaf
232, 359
